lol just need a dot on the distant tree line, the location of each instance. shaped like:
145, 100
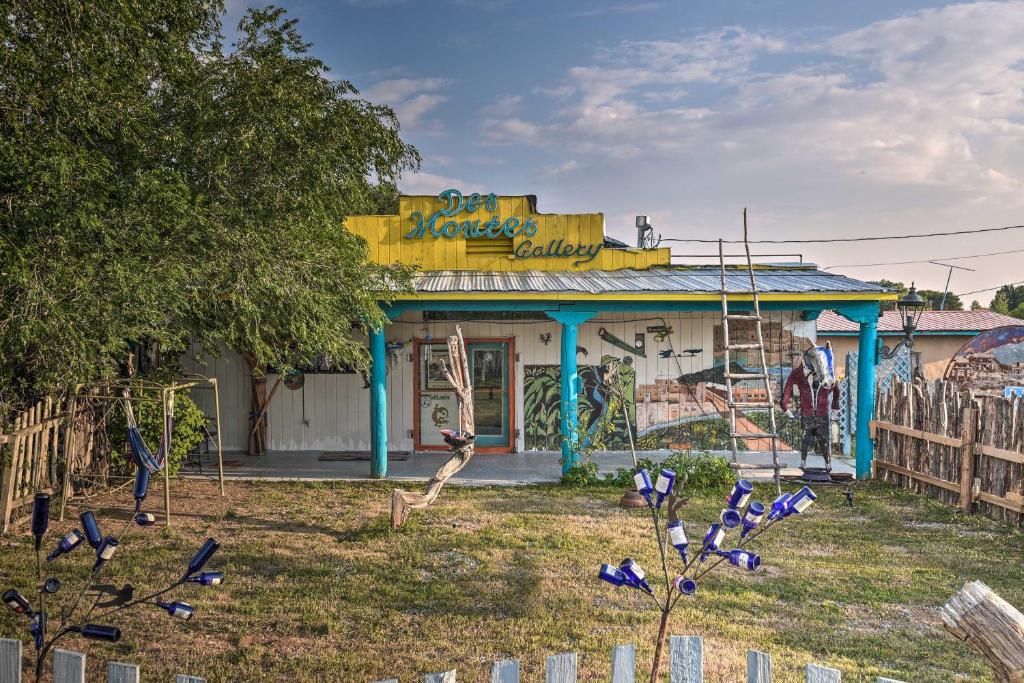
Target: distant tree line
159, 186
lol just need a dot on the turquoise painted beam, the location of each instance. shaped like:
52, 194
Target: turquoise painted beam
866, 315
868, 342
378, 406
569, 421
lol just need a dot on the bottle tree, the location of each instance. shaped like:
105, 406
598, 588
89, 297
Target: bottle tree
747, 518
93, 621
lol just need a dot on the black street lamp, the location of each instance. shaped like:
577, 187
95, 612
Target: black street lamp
910, 307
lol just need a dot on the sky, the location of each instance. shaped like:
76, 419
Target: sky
826, 118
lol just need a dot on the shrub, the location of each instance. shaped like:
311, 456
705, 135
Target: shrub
581, 475
703, 471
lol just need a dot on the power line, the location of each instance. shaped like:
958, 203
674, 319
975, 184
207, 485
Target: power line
989, 289
852, 239
903, 263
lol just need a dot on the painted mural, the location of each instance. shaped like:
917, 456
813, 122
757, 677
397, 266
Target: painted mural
990, 362
684, 411
542, 398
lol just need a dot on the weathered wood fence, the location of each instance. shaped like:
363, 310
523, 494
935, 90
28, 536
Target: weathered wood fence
963, 449
686, 665
29, 457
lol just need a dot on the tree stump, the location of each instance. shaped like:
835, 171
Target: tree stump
990, 626
457, 372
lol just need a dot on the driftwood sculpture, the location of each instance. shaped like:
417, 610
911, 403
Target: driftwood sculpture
461, 443
991, 626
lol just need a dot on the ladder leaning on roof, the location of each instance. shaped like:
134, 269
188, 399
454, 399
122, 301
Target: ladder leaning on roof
758, 345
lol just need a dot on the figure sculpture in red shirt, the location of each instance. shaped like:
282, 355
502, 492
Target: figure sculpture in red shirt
818, 392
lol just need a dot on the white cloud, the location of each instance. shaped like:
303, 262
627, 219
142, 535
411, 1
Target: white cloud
562, 169
411, 98
431, 183
933, 98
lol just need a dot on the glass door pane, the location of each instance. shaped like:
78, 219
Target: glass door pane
488, 367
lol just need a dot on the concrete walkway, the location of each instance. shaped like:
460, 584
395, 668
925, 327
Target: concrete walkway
485, 469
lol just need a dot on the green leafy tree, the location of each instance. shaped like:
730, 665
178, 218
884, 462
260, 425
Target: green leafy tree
1009, 300
932, 296
158, 186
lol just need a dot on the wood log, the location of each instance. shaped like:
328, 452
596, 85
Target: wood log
457, 373
990, 626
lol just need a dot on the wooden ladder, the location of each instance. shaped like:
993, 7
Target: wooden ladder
758, 345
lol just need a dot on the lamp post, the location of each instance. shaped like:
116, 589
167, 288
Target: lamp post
910, 307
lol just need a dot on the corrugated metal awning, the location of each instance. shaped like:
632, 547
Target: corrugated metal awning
655, 280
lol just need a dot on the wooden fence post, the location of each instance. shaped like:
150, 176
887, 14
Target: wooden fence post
10, 661
686, 659
822, 674
561, 668
759, 667
969, 421
68, 666
506, 671
624, 664
118, 672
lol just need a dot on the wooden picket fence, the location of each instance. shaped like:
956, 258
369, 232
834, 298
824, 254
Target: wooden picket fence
963, 449
30, 455
686, 665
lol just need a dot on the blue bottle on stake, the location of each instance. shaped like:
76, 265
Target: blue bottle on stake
740, 494
663, 487
677, 536
66, 544
612, 575
731, 518
91, 529
755, 511
635, 575
644, 487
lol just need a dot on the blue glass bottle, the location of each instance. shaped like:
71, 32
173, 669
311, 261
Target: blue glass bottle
91, 529
612, 575
740, 494
755, 511
712, 540
207, 578
177, 609
642, 479
106, 551
16, 601
40, 517
684, 585
663, 487
779, 507
66, 544
201, 557
741, 558
800, 501
677, 536
145, 518
110, 634
635, 575
141, 486
731, 518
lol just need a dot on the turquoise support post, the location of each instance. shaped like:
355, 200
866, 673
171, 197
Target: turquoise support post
866, 358
378, 407
569, 405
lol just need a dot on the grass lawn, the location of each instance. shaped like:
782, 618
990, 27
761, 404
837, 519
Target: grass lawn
319, 589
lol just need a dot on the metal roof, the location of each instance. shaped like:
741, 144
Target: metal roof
930, 321
667, 280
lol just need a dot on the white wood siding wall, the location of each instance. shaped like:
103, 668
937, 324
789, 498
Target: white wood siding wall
337, 412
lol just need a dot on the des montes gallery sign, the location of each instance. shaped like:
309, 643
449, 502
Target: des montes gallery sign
444, 224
